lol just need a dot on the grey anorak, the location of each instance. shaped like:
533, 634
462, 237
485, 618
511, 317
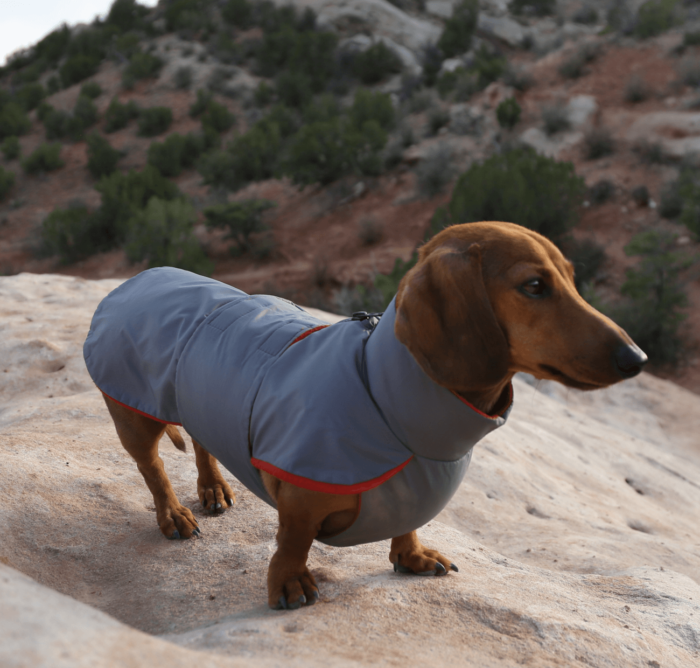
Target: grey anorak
344, 410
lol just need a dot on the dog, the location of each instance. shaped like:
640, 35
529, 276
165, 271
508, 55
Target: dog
354, 432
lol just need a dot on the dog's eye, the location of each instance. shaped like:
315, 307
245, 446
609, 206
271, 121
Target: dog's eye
535, 287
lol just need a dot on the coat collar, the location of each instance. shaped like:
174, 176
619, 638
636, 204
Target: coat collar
427, 418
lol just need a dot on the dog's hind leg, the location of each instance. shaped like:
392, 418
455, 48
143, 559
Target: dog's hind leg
214, 492
409, 555
140, 435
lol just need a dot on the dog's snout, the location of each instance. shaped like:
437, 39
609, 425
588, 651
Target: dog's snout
629, 360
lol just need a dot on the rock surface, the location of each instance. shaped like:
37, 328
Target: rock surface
575, 532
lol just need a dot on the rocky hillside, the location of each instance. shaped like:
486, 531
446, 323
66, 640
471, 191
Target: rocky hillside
301, 149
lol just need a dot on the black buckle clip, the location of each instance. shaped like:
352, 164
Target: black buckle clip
363, 315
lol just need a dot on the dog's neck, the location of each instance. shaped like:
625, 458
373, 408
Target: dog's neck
492, 401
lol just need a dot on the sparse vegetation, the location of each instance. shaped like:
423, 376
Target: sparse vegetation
508, 113
183, 77
154, 121
640, 196
655, 17
163, 234
30, 95
7, 179
533, 7
601, 191
523, 187
176, 153
691, 38
244, 224
77, 68
91, 90
435, 171
102, 158
438, 118
599, 143
72, 233
586, 15
45, 158
238, 13
636, 89
573, 66
11, 148
13, 119
587, 256
370, 230
555, 118
118, 115
141, 66
217, 117
671, 200
457, 34
518, 78
689, 71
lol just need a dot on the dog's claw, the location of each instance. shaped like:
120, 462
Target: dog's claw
313, 599
454, 568
298, 603
230, 502
217, 506
174, 535
401, 569
440, 569
281, 603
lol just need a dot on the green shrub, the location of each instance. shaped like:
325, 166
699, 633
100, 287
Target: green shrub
102, 158
53, 46
438, 118
689, 71
11, 148
599, 143
238, 13
456, 37
56, 124
72, 234
91, 90
30, 95
691, 38
7, 179
537, 7
687, 190
53, 84
587, 256
243, 222
163, 234
141, 66
13, 120
124, 195
655, 17
118, 115
522, 187
45, 158
264, 94
77, 68
183, 77
671, 200
294, 88
636, 89
186, 14
84, 116
126, 15
431, 61
375, 64
508, 113
217, 117
369, 106
255, 153
652, 315
488, 66
175, 153
199, 106
154, 121
325, 151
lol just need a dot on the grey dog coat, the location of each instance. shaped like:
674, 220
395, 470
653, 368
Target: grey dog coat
344, 410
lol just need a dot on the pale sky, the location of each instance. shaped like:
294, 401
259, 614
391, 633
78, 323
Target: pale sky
25, 22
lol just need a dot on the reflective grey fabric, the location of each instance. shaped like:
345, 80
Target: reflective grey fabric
337, 410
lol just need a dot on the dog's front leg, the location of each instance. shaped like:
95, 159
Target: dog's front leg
409, 555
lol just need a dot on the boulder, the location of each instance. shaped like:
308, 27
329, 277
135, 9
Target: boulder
676, 132
575, 533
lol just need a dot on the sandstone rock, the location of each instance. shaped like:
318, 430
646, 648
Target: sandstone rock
503, 28
580, 110
362, 42
551, 146
380, 17
676, 132
575, 532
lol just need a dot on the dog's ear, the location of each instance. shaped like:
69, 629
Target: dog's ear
445, 319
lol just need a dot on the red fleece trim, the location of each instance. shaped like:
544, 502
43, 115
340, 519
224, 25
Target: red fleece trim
136, 410
327, 488
490, 417
303, 335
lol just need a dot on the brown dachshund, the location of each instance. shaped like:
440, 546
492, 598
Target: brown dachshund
484, 301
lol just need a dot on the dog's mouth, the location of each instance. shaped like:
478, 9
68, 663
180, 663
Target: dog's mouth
562, 378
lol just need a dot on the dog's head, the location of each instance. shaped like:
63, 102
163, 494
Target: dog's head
486, 300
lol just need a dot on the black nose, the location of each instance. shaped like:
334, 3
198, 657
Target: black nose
629, 360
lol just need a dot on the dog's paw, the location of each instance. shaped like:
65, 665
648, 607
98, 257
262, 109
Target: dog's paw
422, 562
215, 495
178, 522
293, 592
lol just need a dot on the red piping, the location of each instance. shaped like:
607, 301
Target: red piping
476, 410
303, 335
136, 410
325, 487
